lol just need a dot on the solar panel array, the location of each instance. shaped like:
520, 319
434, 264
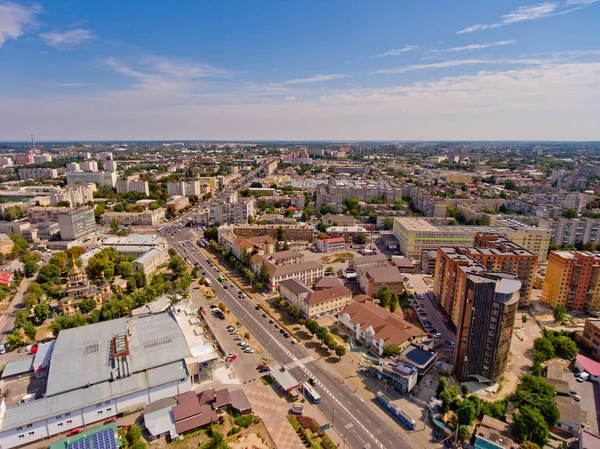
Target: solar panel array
84, 443
100, 440
104, 440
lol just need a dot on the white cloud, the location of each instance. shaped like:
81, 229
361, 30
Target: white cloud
580, 2
457, 63
399, 51
311, 79
65, 40
473, 47
531, 12
15, 19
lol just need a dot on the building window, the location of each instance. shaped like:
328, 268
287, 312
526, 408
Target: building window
99, 412
69, 421
21, 436
31, 433
60, 424
29, 426
68, 414
59, 416
20, 428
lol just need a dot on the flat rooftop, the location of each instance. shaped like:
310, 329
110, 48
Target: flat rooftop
416, 224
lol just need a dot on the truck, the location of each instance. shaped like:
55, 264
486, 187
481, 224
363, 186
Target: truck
298, 409
583, 376
27, 398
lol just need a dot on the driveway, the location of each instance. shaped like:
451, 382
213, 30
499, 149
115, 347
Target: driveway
588, 391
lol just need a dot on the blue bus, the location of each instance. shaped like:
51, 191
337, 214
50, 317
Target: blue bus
310, 393
399, 414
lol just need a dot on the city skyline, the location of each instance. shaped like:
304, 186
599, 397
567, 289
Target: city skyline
515, 70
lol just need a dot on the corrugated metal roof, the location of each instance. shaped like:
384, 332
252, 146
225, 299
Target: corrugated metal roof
16, 367
23, 414
82, 356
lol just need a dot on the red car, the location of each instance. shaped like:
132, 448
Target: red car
261, 366
74, 431
233, 357
109, 420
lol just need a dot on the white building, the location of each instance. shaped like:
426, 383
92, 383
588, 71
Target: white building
76, 223
103, 370
102, 178
73, 166
35, 173
75, 195
110, 166
233, 212
125, 185
146, 218
91, 166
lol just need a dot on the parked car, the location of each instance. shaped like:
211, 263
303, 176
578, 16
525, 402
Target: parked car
230, 328
74, 431
271, 321
437, 335
576, 397
256, 308
266, 369
261, 366
237, 338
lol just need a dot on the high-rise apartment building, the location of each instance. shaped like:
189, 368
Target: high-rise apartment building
573, 280
497, 253
102, 178
35, 173
90, 165
232, 212
485, 327
125, 185
75, 195
76, 223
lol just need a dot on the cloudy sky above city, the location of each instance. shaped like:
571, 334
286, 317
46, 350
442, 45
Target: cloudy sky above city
310, 70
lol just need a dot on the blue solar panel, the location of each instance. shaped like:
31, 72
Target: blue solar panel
81, 444
103, 440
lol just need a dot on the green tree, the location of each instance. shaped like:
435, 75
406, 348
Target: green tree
388, 224
87, 305
21, 318
524, 318
30, 330
394, 302
535, 392
20, 244
464, 433
389, 350
542, 349
177, 266
529, 425
569, 213
124, 269
49, 274
442, 385
466, 412
35, 289
529, 445
30, 268
263, 275
448, 397
559, 312
15, 340
42, 312
565, 347
361, 238
329, 270
384, 295
134, 434
322, 333
536, 369
340, 351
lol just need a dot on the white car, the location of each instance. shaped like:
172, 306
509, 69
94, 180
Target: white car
249, 351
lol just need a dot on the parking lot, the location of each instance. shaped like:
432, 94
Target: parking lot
588, 391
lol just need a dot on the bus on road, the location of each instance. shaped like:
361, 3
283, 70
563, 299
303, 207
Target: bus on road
310, 393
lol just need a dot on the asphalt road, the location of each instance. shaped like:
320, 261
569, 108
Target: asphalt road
7, 317
352, 418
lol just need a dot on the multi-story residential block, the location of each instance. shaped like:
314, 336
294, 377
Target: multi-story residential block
89, 165
271, 166
573, 280
177, 202
416, 235
125, 185
332, 244
284, 258
201, 218
6, 162
73, 166
75, 195
348, 232
364, 262
145, 218
24, 158
375, 327
430, 205
48, 230
573, 231
292, 233
38, 214
37, 173
76, 223
372, 279
102, 178
305, 272
23, 229
42, 158
314, 304
233, 212
485, 327
591, 337
6, 244
497, 253
450, 280
336, 191
110, 166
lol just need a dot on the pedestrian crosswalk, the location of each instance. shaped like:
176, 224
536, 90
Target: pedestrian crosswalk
299, 362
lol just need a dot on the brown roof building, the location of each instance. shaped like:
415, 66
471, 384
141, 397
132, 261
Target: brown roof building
372, 279
376, 327
315, 303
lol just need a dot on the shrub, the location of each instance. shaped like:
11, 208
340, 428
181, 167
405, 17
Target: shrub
243, 421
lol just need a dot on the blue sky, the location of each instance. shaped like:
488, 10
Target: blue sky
308, 70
